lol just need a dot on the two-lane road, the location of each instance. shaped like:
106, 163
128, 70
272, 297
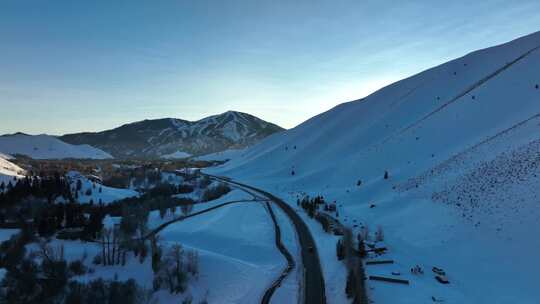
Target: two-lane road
313, 284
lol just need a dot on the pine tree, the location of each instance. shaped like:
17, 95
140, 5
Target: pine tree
340, 252
361, 248
156, 254
186, 209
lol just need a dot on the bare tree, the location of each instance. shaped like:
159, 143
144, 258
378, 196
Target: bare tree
186, 209
49, 253
111, 253
379, 234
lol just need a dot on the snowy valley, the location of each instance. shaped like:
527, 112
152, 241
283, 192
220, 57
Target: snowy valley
430, 183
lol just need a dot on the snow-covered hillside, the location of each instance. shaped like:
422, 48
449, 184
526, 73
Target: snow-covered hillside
177, 155
460, 143
222, 155
9, 170
168, 136
235, 243
47, 147
95, 193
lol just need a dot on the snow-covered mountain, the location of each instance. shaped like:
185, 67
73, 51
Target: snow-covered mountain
461, 145
47, 147
170, 136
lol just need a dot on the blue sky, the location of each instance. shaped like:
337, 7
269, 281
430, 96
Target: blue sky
68, 66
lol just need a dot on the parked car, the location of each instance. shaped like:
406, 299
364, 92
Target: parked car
442, 279
438, 271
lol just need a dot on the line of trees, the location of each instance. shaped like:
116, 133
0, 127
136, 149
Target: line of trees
42, 187
311, 205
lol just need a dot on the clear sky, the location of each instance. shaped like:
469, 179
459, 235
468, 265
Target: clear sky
68, 66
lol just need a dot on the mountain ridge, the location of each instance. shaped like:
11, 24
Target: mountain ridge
168, 136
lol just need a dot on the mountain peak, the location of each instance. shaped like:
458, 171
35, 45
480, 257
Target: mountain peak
165, 136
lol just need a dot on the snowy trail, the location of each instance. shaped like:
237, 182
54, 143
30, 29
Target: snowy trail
291, 264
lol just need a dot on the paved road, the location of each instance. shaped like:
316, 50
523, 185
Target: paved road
313, 285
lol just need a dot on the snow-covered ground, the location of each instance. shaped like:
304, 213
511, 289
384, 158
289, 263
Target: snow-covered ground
8, 170
97, 192
460, 144
47, 147
221, 156
6, 234
237, 255
176, 155
289, 290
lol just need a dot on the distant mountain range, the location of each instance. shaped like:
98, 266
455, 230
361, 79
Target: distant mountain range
171, 137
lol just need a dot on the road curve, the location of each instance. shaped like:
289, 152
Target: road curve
313, 284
